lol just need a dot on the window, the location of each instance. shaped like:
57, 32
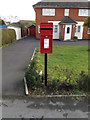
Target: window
66, 12
88, 30
78, 28
52, 12
48, 12
84, 12
55, 28
38, 28
68, 30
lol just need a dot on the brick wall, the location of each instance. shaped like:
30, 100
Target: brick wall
59, 15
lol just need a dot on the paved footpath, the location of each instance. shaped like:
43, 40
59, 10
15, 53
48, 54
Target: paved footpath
16, 58
45, 108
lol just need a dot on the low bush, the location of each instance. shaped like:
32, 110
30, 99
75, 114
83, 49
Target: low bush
84, 81
75, 38
65, 79
8, 36
62, 79
32, 77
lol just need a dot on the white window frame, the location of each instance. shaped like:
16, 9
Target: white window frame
48, 12
79, 34
83, 13
66, 12
79, 29
39, 29
52, 12
55, 28
88, 30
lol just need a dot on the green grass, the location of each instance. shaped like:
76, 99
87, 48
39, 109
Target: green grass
4, 46
67, 57
67, 71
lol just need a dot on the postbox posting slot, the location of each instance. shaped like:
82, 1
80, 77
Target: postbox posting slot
46, 28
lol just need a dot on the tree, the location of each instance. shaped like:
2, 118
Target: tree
87, 23
34, 23
2, 22
19, 24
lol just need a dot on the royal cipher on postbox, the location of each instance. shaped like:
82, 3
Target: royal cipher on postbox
46, 37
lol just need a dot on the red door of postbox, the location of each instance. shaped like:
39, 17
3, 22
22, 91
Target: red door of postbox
46, 37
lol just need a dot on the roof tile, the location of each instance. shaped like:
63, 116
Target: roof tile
62, 4
67, 20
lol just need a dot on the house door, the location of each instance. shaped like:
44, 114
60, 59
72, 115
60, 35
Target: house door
68, 30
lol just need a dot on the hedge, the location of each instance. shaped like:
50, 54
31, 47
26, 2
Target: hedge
8, 36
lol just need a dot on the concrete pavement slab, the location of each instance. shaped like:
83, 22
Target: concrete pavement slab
45, 108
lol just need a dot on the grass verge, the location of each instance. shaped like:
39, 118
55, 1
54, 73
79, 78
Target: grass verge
67, 72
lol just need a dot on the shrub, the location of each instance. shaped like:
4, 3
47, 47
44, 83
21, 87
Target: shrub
75, 38
68, 80
8, 36
84, 81
64, 79
32, 77
2, 22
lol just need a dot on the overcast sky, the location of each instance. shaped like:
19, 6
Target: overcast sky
21, 8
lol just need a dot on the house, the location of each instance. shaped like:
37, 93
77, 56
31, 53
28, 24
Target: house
67, 16
17, 30
32, 30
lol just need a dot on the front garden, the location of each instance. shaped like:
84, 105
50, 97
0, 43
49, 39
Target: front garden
67, 72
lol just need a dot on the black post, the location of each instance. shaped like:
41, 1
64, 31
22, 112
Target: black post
45, 69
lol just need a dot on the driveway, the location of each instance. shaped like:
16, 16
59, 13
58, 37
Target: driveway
16, 58
77, 43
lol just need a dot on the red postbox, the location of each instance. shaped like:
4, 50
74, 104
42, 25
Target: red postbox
46, 37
